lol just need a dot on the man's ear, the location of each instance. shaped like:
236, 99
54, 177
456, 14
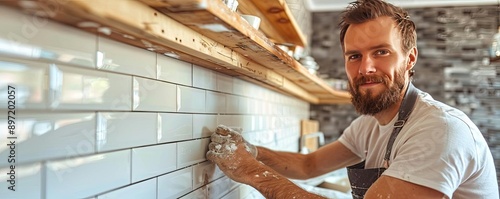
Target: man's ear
412, 58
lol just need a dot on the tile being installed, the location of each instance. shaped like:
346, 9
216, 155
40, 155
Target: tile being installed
86, 176
175, 71
41, 136
27, 36
175, 184
204, 125
204, 78
153, 95
123, 58
215, 102
152, 161
80, 89
200, 193
205, 173
175, 127
26, 184
191, 100
27, 80
191, 152
220, 187
235, 193
125, 130
142, 190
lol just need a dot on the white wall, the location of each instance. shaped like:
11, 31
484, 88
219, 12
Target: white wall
100, 119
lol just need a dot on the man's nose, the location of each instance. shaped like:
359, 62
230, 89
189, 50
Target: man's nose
367, 66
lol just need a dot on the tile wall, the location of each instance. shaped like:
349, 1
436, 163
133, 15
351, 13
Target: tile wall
100, 119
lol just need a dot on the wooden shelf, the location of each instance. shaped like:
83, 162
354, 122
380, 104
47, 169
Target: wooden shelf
203, 32
277, 21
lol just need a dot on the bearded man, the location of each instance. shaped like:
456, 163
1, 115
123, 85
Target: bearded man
404, 145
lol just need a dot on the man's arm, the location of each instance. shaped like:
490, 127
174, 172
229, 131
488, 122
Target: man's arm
390, 187
270, 183
299, 166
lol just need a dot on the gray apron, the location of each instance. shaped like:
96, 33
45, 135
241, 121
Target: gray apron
360, 178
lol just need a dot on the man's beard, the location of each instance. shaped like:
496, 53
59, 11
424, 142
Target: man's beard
368, 103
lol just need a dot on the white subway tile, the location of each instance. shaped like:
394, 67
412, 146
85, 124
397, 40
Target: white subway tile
204, 125
31, 37
40, 136
220, 187
240, 87
232, 104
204, 78
87, 176
246, 191
205, 173
230, 120
142, 190
192, 100
81, 89
191, 152
175, 184
123, 58
215, 102
176, 71
233, 194
27, 79
153, 95
175, 127
196, 194
224, 83
26, 183
125, 130
152, 161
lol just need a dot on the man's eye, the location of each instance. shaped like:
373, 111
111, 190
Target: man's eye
353, 57
381, 52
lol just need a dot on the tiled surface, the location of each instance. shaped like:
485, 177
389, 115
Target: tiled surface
125, 130
175, 71
215, 102
35, 38
122, 58
143, 190
204, 78
135, 126
29, 80
151, 95
224, 83
192, 100
153, 161
83, 89
175, 127
175, 184
204, 125
27, 182
205, 173
42, 136
86, 176
191, 152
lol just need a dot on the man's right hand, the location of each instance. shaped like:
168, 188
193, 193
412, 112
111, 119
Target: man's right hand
231, 153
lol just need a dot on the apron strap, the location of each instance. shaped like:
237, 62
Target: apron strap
404, 112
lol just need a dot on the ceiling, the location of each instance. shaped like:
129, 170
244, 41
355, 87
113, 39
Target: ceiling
336, 5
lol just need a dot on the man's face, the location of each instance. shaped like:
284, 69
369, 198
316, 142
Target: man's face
375, 65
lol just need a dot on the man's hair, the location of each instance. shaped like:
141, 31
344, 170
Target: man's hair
364, 10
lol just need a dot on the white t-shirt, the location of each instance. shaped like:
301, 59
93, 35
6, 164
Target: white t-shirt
439, 147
